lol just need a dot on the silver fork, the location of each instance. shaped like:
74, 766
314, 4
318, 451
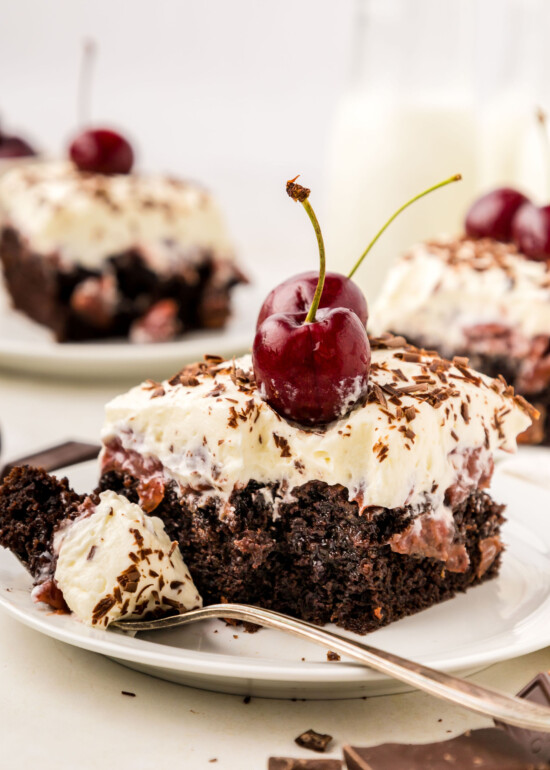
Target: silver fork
482, 700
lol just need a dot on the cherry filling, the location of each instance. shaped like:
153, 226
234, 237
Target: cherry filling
148, 471
49, 593
431, 538
474, 470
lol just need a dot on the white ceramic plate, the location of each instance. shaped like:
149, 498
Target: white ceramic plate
27, 346
502, 619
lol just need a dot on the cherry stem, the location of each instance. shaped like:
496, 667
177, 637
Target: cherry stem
454, 178
301, 194
542, 120
85, 81
310, 318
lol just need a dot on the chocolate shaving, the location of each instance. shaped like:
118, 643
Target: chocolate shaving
313, 741
102, 608
282, 444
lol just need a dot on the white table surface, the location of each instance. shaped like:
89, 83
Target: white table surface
62, 708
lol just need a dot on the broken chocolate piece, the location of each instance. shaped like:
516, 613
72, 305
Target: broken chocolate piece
313, 741
535, 743
288, 763
55, 457
489, 749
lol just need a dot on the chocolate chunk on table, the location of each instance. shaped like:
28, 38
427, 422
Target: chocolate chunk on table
314, 741
288, 763
55, 457
536, 743
489, 749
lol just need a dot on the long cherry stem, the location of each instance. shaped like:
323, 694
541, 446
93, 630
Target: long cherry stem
300, 194
85, 81
454, 178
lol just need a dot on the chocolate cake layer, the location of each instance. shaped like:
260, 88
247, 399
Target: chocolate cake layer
318, 559
79, 304
32, 503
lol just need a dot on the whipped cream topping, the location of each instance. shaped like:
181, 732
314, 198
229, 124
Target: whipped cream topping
81, 218
426, 427
440, 291
116, 562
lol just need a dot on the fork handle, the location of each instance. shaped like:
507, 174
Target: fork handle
481, 700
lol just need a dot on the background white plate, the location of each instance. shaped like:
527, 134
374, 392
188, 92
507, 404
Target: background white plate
27, 346
502, 619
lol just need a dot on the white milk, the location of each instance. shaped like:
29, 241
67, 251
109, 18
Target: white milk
439, 87
383, 153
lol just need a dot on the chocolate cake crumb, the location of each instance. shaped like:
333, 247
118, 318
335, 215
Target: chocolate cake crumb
247, 699
313, 741
333, 655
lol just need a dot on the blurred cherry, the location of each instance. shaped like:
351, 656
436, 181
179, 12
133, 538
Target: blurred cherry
491, 215
14, 147
531, 231
101, 151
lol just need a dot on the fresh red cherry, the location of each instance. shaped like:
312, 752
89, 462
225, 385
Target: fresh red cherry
531, 231
316, 372
312, 367
491, 215
295, 295
14, 147
102, 151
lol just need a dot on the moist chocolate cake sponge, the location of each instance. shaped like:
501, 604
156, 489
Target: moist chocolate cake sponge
32, 503
318, 559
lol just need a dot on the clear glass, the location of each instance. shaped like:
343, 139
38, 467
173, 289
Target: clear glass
437, 87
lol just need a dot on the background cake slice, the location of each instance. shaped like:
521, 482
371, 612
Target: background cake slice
374, 516
481, 298
94, 255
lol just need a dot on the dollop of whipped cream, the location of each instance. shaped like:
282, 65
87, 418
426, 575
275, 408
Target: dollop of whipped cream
427, 427
442, 291
114, 562
81, 218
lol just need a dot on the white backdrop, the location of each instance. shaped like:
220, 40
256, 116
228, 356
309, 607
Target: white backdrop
240, 94
235, 93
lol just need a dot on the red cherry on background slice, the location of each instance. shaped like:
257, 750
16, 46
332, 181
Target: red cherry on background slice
295, 295
316, 372
14, 147
531, 231
491, 215
101, 151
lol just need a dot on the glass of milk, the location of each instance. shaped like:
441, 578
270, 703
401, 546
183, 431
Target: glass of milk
438, 87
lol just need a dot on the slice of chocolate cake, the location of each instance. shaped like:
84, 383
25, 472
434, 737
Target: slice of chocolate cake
99, 557
479, 298
95, 255
372, 517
